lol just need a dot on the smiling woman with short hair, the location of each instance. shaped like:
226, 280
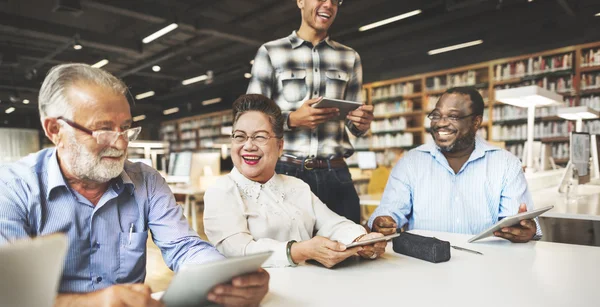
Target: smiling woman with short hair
253, 209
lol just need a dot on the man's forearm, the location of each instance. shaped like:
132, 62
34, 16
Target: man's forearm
73, 300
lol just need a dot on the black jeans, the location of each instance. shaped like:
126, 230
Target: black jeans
333, 186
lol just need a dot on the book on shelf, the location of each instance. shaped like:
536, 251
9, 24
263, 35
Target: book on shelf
590, 57
533, 66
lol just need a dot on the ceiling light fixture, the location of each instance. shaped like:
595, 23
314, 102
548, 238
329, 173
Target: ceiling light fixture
156, 68
77, 45
9, 110
160, 33
194, 80
597, 15
171, 111
455, 47
144, 95
389, 20
247, 75
25, 101
211, 101
252, 62
139, 118
102, 63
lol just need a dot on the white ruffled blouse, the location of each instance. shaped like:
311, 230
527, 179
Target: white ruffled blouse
243, 217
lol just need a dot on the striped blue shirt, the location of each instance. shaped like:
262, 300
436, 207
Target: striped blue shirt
35, 200
424, 192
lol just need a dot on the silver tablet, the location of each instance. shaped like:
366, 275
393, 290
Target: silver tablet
510, 221
345, 106
190, 286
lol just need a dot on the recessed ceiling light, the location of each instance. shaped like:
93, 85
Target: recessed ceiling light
160, 33
156, 68
454, 47
194, 80
597, 15
252, 62
101, 63
171, 111
211, 101
9, 110
144, 95
389, 20
25, 101
247, 75
138, 118
77, 45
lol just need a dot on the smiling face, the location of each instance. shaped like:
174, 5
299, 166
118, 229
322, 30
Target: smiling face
459, 135
256, 162
78, 151
318, 15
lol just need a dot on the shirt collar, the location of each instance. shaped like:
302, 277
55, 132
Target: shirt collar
481, 147
296, 41
56, 178
251, 189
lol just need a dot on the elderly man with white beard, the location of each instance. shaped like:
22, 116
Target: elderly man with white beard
84, 187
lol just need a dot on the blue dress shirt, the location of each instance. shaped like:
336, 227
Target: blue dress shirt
35, 200
424, 192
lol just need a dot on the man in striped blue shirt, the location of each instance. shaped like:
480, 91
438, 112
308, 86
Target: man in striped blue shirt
460, 184
85, 188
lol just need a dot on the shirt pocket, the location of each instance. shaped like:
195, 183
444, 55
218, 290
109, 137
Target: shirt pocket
132, 257
336, 83
293, 83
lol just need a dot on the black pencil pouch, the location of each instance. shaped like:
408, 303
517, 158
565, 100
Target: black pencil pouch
424, 248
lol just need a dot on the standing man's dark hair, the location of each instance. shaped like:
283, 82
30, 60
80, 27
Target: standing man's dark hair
298, 71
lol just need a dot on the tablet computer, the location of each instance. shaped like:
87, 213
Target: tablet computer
510, 221
345, 106
190, 286
371, 241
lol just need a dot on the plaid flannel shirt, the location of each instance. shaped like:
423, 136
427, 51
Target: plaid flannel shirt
290, 71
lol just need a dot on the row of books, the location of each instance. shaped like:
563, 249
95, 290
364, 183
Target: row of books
561, 85
590, 81
533, 66
590, 57
392, 140
451, 80
541, 130
591, 101
508, 112
393, 90
559, 150
206, 122
390, 107
390, 124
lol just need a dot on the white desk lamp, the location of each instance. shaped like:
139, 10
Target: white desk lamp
578, 114
529, 97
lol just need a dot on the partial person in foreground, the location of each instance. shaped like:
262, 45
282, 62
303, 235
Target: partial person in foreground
84, 187
297, 71
459, 183
253, 209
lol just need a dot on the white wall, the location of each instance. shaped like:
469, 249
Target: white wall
17, 143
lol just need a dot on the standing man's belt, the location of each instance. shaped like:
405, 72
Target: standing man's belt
310, 163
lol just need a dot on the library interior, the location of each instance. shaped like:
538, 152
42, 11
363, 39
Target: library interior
192, 152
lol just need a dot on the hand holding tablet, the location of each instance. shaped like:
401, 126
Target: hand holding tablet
519, 232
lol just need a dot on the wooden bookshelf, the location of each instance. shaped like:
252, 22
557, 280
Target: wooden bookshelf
197, 133
557, 69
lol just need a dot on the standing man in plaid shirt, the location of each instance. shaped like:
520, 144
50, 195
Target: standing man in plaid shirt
296, 72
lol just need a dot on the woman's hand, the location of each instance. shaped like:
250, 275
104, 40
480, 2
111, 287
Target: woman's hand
323, 250
376, 249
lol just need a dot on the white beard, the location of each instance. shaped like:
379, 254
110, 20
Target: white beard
88, 166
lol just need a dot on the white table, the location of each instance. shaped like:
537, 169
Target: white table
532, 274
190, 204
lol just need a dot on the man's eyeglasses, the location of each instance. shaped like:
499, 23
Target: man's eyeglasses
334, 2
105, 137
452, 118
260, 139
